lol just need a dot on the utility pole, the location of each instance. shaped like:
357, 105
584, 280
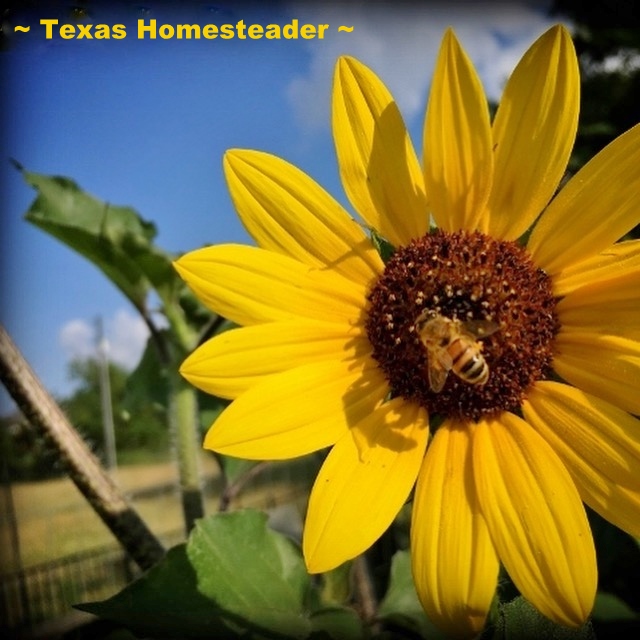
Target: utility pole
102, 348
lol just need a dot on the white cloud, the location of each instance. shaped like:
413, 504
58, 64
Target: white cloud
400, 43
125, 333
77, 338
625, 61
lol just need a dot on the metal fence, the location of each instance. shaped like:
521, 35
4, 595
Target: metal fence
44, 592
33, 597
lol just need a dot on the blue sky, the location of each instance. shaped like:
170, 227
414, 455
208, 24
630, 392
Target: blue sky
145, 123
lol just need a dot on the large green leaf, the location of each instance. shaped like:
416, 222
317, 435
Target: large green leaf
166, 603
251, 571
116, 239
234, 577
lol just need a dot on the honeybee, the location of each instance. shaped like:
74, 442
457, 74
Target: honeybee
452, 345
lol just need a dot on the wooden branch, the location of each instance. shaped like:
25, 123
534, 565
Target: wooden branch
83, 467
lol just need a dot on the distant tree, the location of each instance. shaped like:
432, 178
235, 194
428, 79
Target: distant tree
140, 424
24, 455
136, 427
607, 40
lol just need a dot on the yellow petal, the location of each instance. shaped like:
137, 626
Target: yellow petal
248, 285
603, 365
599, 444
535, 518
353, 501
605, 307
298, 411
594, 209
455, 567
533, 133
458, 166
378, 165
287, 212
614, 261
236, 360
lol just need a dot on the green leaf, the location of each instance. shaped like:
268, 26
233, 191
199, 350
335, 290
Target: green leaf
197, 315
251, 571
382, 245
337, 622
234, 577
336, 585
400, 605
519, 620
166, 603
610, 607
116, 239
148, 382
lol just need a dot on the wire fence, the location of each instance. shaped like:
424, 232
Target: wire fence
34, 596
43, 592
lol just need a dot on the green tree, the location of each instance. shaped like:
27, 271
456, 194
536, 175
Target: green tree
142, 426
24, 454
608, 47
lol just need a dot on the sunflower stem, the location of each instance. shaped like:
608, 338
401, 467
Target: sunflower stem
183, 417
364, 590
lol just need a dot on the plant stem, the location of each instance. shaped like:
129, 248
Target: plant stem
232, 490
183, 417
84, 468
363, 588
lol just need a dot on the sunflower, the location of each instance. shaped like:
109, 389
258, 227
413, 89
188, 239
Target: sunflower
531, 285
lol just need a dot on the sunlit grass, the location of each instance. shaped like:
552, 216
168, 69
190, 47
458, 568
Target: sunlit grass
54, 520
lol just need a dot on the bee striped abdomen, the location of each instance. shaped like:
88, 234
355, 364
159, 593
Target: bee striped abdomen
453, 345
468, 362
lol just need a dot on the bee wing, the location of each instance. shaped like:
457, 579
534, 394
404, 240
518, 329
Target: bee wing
438, 370
437, 377
479, 329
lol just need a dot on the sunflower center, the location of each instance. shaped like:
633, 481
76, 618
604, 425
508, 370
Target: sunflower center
462, 324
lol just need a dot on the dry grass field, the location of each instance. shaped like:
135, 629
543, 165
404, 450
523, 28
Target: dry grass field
64, 553
54, 520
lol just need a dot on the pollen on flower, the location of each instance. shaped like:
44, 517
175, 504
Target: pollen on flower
464, 277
